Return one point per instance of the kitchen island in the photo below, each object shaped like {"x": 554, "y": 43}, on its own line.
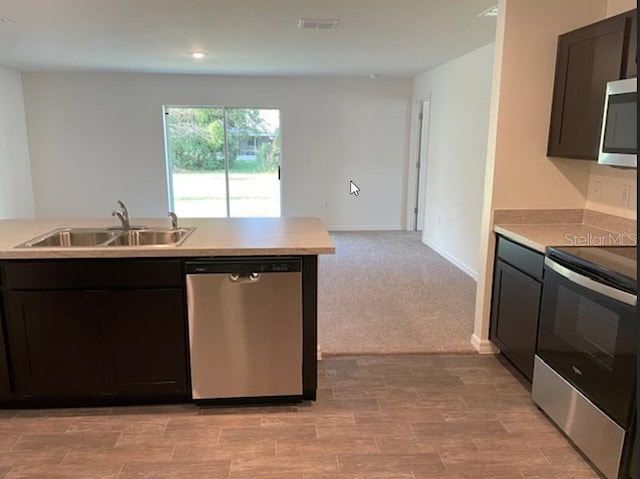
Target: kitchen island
{"x": 108, "y": 324}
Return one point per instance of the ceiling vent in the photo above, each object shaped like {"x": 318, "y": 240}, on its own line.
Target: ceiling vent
{"x": 318, "y": 23}
{"x": 490, "y": 12}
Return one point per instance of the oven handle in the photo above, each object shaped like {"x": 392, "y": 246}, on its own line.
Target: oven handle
{"x": 592, "y": 285}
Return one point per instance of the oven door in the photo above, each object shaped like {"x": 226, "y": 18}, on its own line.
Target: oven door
{"x": 587, "y": 334}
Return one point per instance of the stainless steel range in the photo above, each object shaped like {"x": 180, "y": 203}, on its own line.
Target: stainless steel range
{"x": 585, "y": 366}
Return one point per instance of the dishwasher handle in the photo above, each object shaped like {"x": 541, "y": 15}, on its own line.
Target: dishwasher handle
{"x": 242, "y": 278}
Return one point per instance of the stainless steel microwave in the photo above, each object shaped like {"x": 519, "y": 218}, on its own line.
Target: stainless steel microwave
{"x": 618, "y": 139}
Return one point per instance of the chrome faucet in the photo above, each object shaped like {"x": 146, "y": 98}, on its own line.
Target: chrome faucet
{"x": 125, "y": 210}
{"x": 123, "y": 215}
{"x": 174, "y": 220}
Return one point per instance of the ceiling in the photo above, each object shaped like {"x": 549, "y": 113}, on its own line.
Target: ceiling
{"x": 244, "y": 37}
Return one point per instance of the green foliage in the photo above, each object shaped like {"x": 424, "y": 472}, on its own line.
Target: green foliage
{"x": 197, "y": 140}
{"x": 269, "y": 154}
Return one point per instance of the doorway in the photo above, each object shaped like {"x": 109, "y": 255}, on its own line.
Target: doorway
{"x": 223, "y": 162}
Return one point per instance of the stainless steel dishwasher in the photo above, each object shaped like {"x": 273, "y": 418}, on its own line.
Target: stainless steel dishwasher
{"x": 245, "y": 327}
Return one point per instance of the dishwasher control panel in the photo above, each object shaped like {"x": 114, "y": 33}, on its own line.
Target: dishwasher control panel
{"x": 262, "y": 265}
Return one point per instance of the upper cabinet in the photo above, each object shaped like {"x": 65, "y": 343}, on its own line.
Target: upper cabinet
{"x": 587, "y": 59}
{"x": 632, "y": 51}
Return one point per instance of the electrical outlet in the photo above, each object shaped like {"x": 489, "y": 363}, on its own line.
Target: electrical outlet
{"x": 597, "y": 190}
{"x": 626, "y": 193}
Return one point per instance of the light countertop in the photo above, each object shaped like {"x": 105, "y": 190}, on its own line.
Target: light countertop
{"x": 540, "y": 236}
{"x": 212, "y": 237}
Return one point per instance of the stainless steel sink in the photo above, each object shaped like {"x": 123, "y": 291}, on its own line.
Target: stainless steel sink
{"x": 151, "y": 237}
{"x": 71, "y": 238}
{"x": 104, "y": 237}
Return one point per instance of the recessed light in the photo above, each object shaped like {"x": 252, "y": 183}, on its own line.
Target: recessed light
{"x": 6, "y": 20}
{"x": 318, "y": 23}
{"x": 197, "y": 55}
{"x": 490, "y": 12}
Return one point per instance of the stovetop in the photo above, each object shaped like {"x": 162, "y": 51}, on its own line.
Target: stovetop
{"x": 612, "y": 265}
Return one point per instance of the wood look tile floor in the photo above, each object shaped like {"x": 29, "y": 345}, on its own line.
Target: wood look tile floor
{"x": 391, "y": 417}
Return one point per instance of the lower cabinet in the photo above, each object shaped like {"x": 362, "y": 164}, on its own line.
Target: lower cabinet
{"x": 5, "y": 385}
{"x": 143, "y": 340}
{"x": 78, "y": 344}
{"x": 123, "y": 337}
{"x": 55, "y": 343}
{"x": 515, "y": 308}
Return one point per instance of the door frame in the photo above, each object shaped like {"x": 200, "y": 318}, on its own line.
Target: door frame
{"x": 418, "y": 154}
{"x": 167, "y": 161}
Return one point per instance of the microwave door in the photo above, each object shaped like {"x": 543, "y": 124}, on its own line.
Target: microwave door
{"x": 618, "y": 139}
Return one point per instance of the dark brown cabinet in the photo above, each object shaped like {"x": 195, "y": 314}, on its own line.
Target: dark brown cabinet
{"x": 515, "y": 308}
{"x": 55, "y": 343}
{"x": 586, "y": 60}
{"x": 89, "y": 329}
{"x": 632, "y": 50}
{"x": 144, "y": 342}
{"x": 5, "y": 385}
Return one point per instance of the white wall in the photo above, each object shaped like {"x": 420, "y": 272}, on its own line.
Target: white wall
{"x": 614, "y": 7}
{"x": 605, "y": 190}
{"x": 97, "y": 137}
{"x": 16, "y": 191}
{"x": 518, "y": 173}
{"x": 460, "y": 94}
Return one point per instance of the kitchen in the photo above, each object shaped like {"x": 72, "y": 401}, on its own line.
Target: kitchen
{"x": 521, "y": 178}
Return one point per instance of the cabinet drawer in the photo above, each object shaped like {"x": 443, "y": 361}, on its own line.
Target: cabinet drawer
{"x": 521, "y": 257}
{"x": 93, "y": 274}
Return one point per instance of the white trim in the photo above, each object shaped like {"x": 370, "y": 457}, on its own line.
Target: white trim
{"x": 167, "y": 158}
{"x": 365, "y": 228}
{"x": 483, "y": 346}
{"x": 319, "y": 354}
{"x": 413, "y": 156}
{"x": 452, "y": 260}
{"x": 411, "y": 178}
{"x": 423, "y": 155}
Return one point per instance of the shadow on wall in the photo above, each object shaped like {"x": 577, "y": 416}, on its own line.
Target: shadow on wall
{"x": 576, "y": 172}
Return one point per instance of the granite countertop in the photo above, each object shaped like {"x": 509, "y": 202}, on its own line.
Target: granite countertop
{"x": 212, "y": 237}
{"x": 540, "y": 229}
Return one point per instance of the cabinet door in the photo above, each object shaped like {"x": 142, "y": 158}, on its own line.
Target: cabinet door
{"x": 5, "y": 385}
{"x": 632, "y": 51}
{"x": 587, "y": 59}
{"x": 514, "y": 315}
{"x": 55, "y": 343}
{"x": 144, "y": 340}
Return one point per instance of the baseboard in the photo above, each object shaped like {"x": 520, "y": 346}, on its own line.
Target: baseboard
{"x": 366, "y": 228}
{"x": 452, "y": 260}
{"x": 483, "y": 346}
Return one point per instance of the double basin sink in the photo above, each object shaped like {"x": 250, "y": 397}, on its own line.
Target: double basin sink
{"x": 107, "y": 237}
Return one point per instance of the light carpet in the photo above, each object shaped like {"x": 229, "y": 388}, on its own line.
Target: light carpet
{"x": 388, "y": 293}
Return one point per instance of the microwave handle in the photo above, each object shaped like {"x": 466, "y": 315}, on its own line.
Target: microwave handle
{"x": 592, "y": 285}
